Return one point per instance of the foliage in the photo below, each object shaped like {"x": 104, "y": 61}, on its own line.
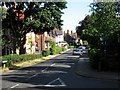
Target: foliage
{"x": 63, "y": 49}
{"x": 95, "y": 55}
{"x": 46, "y": 52}
{"x": 3, "y": 40}
{"x": 58, "y": 50}
{"x": 53, "y": 47}
{"x": 102, "y": 23}
{"x": 70, "y": 46}
{"x": 26, "y": 16}
{"x": 13, "y": 58}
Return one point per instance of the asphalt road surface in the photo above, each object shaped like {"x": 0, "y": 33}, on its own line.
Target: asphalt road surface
{"x": 58, "y": 72}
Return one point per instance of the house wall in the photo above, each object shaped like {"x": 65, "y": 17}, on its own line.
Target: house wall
{"x": 30, "y": 37}
{"x": 40, "y": 40}
{"x": 59, "y": 39}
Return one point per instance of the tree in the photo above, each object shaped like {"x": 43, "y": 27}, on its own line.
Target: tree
{"x": 5, "y": 38}
{"x": 102, "y": 23}
{"x": 38, "y": 16}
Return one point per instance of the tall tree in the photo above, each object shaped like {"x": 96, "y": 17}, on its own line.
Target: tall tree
{"x": 38, "y": 16}
{"x": 102, "y": 23}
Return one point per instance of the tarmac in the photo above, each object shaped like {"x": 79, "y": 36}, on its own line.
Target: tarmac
{"x": 84, "y": 69}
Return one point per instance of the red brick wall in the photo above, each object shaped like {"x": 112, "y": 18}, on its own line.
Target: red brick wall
{"x": 41, "y": 41}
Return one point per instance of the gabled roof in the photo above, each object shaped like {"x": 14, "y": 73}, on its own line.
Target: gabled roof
{"x": 57, "y": 32}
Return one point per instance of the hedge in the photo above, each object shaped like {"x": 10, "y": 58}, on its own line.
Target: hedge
{"x": 46, "y": 52}
{"x": 53, "y": 48}
{"x": 70, "y": 46}
{"x": 13, "y": 58}
{"x": 58, "y": 50}
{"x": 95, "y": 55}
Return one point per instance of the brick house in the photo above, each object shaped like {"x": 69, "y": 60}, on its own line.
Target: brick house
{"x": 41, "y": 40}
{"x": 70, "y": 37}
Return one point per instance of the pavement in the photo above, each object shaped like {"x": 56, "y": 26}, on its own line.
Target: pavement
{"x": 84, "y": 69}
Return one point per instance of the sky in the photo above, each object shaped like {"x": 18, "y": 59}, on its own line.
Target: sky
{"x": 76, "y": 11}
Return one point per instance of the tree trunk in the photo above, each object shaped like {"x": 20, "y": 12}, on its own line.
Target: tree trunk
{"x": 14, "y": 47}
{"x": 22, "y": 48}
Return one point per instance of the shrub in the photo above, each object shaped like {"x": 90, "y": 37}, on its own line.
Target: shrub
{"x": 58, "y": 50}
{"x": 53, "y": 48}
{"x": 63, "y": 49}
{"x": 70, "y": 47}
{"x": 95, "y": 55}
{"x": 13, "y": 58}
{"x": 8, "y": 59}
{"x": 46, "y": 52}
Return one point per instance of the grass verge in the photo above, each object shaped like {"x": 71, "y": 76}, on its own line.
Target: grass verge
{"x": 26, "y": 63}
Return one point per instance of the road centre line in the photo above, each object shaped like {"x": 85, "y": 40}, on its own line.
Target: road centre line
{"x": 47, "y": 67}
{"x": 32, "y": 76}
{"x": 54, "y": 85}
{"x": 38, "y": 73}
{"x": 52, "y": 64}
{"x": 15, "y": 86}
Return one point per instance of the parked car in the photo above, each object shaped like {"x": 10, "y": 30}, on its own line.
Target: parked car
{"x": 77, "y": 51}
{"x": 83, "y": 49}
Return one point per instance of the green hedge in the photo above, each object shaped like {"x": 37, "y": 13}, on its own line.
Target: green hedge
{"x": 95, "y": 55}
{"x": 46, "y": 52}
{"x": 63, "y": 49}
{"x": 58, "y": 50}
{"x": 12, "y": 58}
{"x": 70, "y": 46}
{"x": 53, "y": 48}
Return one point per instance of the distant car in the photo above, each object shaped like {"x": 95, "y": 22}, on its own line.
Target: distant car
{"x": 77, "y": 51}
{"x": 82, "y": 47}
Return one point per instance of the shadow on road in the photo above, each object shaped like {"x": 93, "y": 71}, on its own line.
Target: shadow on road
{"x": 42, "y": 72}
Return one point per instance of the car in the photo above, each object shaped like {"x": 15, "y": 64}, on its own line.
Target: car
{"x": 83, "y": 49}
{"x": 77, "y": 51}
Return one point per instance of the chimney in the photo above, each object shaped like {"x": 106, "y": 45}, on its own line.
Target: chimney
{"x": 64, "y": 32}
{"x": 67, "y": 31}
{"x": 71, "y": 32}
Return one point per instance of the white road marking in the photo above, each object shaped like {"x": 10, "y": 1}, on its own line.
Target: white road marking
{"x": 47, "y": 67}
{"x": 14, "y": 86}
{"x": 44, "y": 69}
{"x": 58, "y": 79}
{"x": 70, "y": 63}
{"x": 84, "y": 58}
{"x": 38, "y": 73}
{"x": 72, "y": 56}
{"x": 51, "y": 85}
{"x": 32, "y": 76}
{"x": 54, "y": 85}
{"x": 52, "y": 64}
{"x": 63, "y": 65}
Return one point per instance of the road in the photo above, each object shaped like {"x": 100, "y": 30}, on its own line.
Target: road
{"x": 58, "y": 72}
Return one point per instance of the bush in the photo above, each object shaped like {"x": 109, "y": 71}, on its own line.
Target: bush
{"x": 46, "y": 52}
{"x": 53, "y": 48}
{"x": 8, "y": 59}
{"x": 95, "y": 55}
{"x": 58, "y": 50}
{"x": 13, "y": 58}
{"x": 70, "y": 47}
{"x": 63, "y": 49}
